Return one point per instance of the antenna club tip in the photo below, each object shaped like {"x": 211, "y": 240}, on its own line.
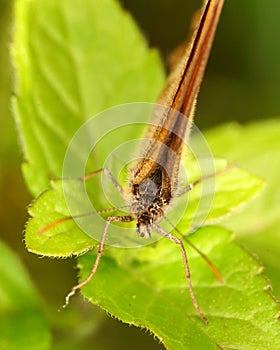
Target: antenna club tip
{"x": 67, "y": 298}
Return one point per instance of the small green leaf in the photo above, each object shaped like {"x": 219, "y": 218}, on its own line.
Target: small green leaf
{"x": 22, "y": 322}
{"x": 232, "y": 188}
{"x": 66, "y": 239}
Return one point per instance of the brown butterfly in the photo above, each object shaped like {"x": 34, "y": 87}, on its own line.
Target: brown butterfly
{"x": 154, "y": 178}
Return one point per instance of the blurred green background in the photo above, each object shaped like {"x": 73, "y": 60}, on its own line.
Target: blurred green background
{"x": 241, "y": 83}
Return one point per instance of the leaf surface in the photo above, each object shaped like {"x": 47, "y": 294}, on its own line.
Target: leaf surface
{"x": 22, "y": 322}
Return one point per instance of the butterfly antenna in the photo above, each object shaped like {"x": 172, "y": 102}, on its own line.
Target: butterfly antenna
{"x": 73, "y": 217}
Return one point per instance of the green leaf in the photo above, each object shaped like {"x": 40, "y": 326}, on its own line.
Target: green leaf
{"x": 22, "y": 322}
{"x": 257, "y": 147}
{"x": 233, "y": 187}
{"x": 62, "y": 241}
{"x": 72, "y": 60}
{"x": 153, "y": 294}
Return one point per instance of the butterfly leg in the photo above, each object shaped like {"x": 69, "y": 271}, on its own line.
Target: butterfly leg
{"x": 99, "y": 254}
{"x": 178, "y": 241}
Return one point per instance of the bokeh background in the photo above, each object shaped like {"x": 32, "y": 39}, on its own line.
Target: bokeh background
{"x": 242, "y": 83}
